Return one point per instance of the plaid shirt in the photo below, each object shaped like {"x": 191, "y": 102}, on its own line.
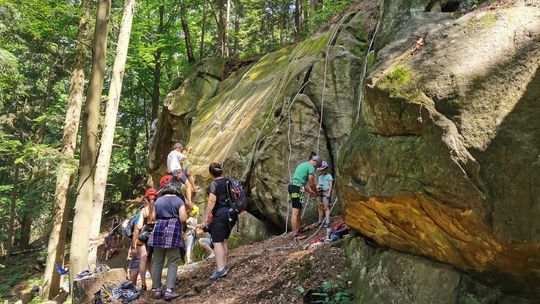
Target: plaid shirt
{"x": 167, "y": 234}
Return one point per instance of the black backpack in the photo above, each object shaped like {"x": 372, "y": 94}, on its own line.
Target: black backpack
{"x": 236, "y": 197}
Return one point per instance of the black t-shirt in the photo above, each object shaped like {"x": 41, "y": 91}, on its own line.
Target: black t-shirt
{"x": 218, "y": 187}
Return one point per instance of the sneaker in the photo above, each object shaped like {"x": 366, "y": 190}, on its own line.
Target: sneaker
{"x": 144, "y": 288}
{"x": 84, "y": 275}
{"x": 219, "y": 274}
{"x": 326, "y": 225}
{"x": 226, "y": 270}
{"x": 211, "y": 256}
{"x": 169, "y": 295}
{"x": 156, "y": 293}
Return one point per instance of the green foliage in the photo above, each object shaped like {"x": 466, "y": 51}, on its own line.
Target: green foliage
{"x": 397, "y": 82}
{"x": 17, "y": 270}
{"x": 334, "y": 291}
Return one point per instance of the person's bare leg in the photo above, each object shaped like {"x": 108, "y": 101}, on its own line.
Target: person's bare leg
{"x": 226, "y": 249}
{"x": 327, "y": 213}
{"x": 191, "y": 180}
{"x": 321, "y": 211}
{"x": 206, "y": 247}
{"x": 294, "y": 220}
{"x": 143, "y": 264}
{"x": 133, "y": 276}
{"x": 220, "y": 256}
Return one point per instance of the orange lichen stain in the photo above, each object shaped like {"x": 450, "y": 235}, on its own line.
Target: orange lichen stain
{"x": 424, "y": 226}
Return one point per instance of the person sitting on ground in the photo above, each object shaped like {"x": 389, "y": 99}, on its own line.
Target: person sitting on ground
{"x": 303, "y": 174}
{"x": 141, "y": 232}
{"x": 324, "y": 185}
{"x": 174, "y": 164}
{"x": 218, "y": 219}
{"x": 166, "y": 239}
{"x": 205, "y": 242}
{"x": 190, "y": 233}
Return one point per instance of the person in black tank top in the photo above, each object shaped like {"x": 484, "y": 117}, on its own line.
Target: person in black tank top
{"x": 218, "y": 219}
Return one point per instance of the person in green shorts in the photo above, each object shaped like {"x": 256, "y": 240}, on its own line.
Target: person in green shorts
{"x": 303, "y": 174}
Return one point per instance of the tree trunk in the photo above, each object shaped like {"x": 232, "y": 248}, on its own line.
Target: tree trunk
{"x": 83, "y": 205}
{"x": 187, "y": 36}
{"x": 236, "y": 34}
{"x": 299, "y": 17}
{"x": 226, "y": 30}
{"x": 65, "y": 172}
{"x": 203, "y": 31}
{"x": 13, "y": 205}
{"x": 107, "y": 136}
{"x": 26, "y": 228}
{"x": 157, "y": 67}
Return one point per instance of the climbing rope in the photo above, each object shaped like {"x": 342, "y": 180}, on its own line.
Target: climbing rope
{"x": 364, "y": 71}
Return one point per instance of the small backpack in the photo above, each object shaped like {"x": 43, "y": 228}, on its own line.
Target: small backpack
{"x": 236, "y": 197}
{"x": 129, "y": 225}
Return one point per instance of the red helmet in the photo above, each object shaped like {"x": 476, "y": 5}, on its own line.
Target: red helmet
{"x": 151, "y": 191}
{"x": 165, "y": 179}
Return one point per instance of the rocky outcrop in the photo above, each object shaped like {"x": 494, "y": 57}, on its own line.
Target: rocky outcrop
{"x": 387, "y": 276}
{"x": 444, "y": 162}
{"x": 265, "y": 118}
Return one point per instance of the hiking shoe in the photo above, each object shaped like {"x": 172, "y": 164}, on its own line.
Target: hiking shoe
{"x": 144, "y": 288}
{"x": 226, "y": 270}
{"x": 211, "y": 256}
{"x": 219, "y": 274}
{"x": 326, "y": 225}
{"x": 169, "y": 295}
{"x": 84, "y": 275}
{"x": 157, "y": 294}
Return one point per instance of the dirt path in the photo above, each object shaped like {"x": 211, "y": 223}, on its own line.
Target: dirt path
{"x": 267, "y": 272}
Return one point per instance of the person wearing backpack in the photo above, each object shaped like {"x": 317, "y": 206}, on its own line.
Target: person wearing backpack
{"x": 166, "y": 239}
{"x": 218, "y": 219}
{"x": 144, "y": 224}
{"x": 304, "y": 174}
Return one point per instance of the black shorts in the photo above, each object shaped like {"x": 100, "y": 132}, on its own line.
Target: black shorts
{"x": 221, "y": 226}
{"x": 295, "y": 194}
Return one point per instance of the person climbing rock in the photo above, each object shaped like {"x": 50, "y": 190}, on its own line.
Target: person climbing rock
{"x": 303, "y": 174}
{"x": 141, "y": 232}
{"x": 218, "y": 219}
{"x": 166, "y": 239}
{"x": 190, "y": 233}
{"x": 174, "y": 164}
{"x": 324, "y": 185}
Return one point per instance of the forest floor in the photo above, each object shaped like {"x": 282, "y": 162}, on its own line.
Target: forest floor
{"x": 277, "y": 270}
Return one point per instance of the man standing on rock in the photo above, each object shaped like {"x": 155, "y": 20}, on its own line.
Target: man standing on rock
{"x": 174, "y": 164}
{"x": 303, "y": 174}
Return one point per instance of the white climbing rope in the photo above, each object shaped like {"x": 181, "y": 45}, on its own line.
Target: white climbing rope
{"x": 324, "y": 79}
{"x": 364, "y": 71}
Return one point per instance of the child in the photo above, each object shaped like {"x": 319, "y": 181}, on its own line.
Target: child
{"x": 190, "y": 234}
{"x": 324, "y": 185}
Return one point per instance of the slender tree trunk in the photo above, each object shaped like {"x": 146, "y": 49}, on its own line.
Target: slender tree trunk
{"x": 187, "y": 36}
{"x": 157, "y": 67}
{"x": 83, "y": 205}
{"x": 203, "y": 31}
{"x": 107, "y": 137}
{"x": 299, "y": 17}
{"x": 26, "y": 228}
{"x": 226, "y": 30}
{"x": 65, "y": 172}
{"x": 236, "y": 34}
{"x": 12, "y": 208}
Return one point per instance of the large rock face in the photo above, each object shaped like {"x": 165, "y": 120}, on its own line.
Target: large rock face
{"x": 265, "y": 118}
{"x": 445, "y": 162}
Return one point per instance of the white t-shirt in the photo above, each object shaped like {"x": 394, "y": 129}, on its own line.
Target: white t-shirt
{"x": 174, "y": 161}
